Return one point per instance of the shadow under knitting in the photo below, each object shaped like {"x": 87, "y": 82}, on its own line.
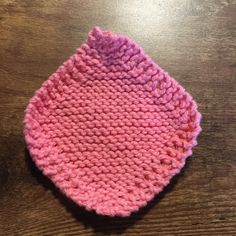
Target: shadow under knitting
{"x": 100, "y": 224}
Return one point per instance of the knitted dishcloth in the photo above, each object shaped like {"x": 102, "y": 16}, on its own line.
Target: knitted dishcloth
{"x": 110, "y": 128}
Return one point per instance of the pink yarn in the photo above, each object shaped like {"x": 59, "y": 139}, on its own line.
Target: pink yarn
{"x": 110, "y": 128}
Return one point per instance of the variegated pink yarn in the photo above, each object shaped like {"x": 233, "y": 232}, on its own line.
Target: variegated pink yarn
{"x": 110, "y": 128}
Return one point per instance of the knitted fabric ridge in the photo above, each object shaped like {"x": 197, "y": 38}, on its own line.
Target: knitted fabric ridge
{"x": 110, "y": 128}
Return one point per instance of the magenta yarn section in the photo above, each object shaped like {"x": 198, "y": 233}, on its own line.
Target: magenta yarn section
{"x": 110, "y": 128}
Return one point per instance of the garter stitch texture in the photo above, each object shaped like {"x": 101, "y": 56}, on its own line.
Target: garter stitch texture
{"x": 110, "y": 128}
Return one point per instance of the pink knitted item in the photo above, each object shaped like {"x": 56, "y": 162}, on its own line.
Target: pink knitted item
{"x": 110, "y": 128}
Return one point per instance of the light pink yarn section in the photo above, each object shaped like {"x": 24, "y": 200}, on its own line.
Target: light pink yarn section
{"x": 110, "y": 128}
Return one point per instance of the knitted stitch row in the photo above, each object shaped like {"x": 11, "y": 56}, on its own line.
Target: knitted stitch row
{"x": 110, "y": 128}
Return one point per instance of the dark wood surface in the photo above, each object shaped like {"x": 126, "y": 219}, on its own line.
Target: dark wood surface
{"x": 193, "y": 40}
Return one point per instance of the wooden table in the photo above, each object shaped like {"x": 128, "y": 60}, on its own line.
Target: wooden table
{"x": 193, "y": 40}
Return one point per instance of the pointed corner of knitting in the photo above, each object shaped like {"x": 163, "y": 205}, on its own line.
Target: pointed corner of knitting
{"x": 97, "y": 35}
{"x": 96, "y": 31}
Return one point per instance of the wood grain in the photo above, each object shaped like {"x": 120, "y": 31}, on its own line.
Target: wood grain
{"x": 193, "y": 40}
